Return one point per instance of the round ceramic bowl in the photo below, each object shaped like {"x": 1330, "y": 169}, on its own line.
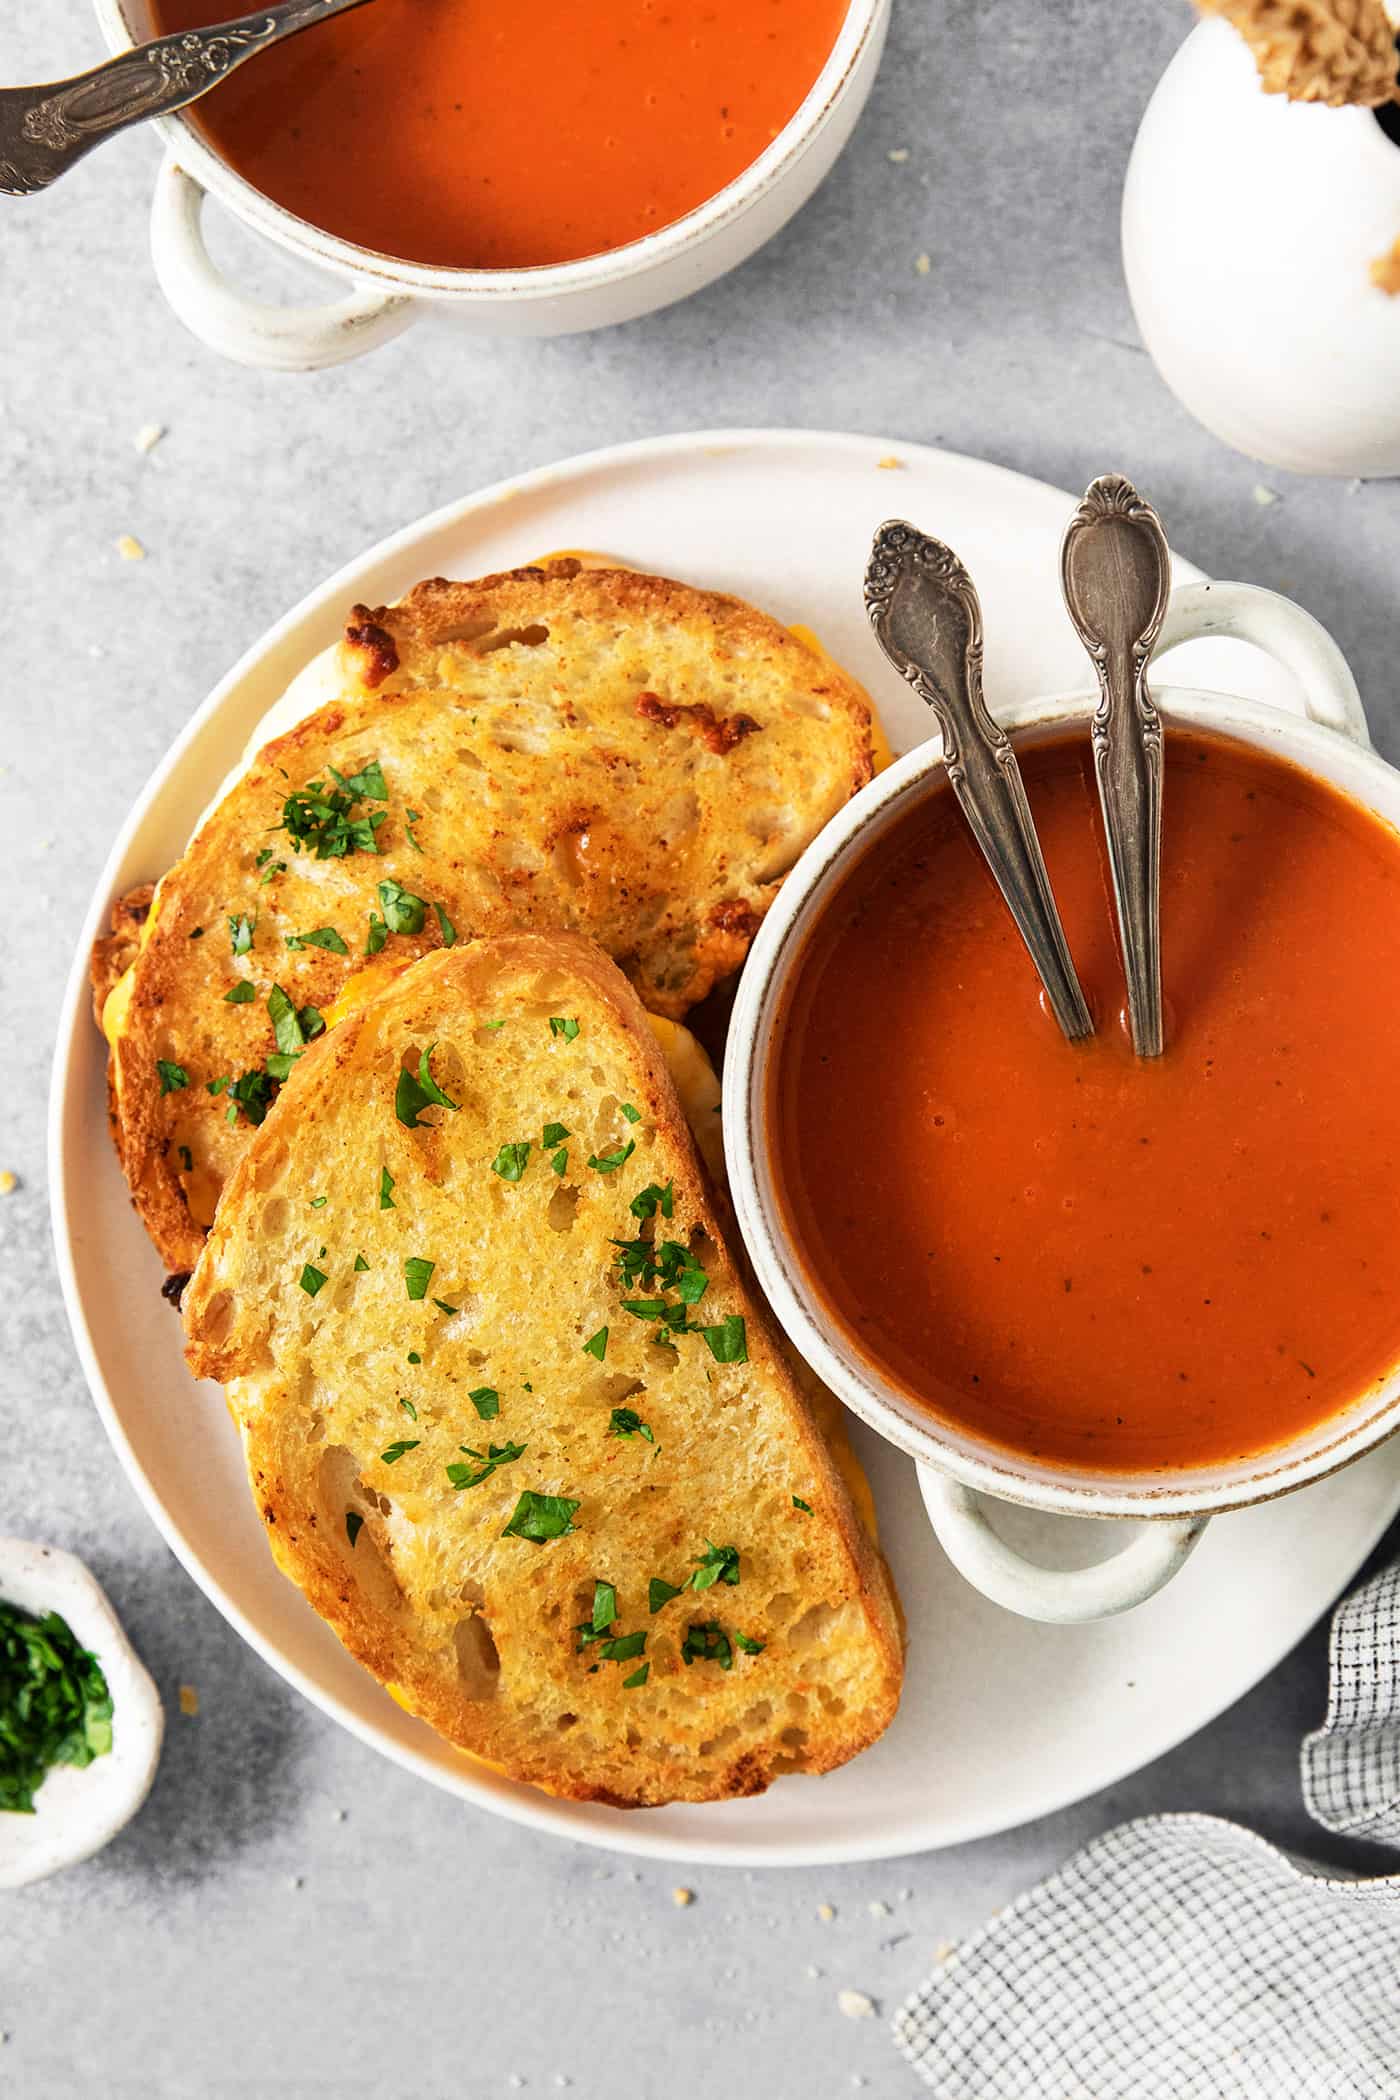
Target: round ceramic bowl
{"x": 958, "y": 1468}
{"x": 382, "y": 295}
{"x": 78, "y": 1810}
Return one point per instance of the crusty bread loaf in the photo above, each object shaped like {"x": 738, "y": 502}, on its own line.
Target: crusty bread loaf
{"x": 772, "y": 1644}
{"x": 595, "y": 750}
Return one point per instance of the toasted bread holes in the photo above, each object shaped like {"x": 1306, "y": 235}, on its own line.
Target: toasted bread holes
{"x": 527, "y": 637}
{"x": 478, "y": 1660}
{"x": 562, "y": 1207}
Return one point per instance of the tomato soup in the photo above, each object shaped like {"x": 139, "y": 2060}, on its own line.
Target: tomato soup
{"x": 1101, "y": 1261}
{"x": 492, "y": 135}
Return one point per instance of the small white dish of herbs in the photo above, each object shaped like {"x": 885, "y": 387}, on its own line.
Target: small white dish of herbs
{"x": 80, "y": 1719}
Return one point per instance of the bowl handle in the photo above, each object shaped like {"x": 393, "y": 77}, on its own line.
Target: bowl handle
{"x": 278, "y": 338}
{"x": 1293, "y": 638}
{"x": 1058, "y": 1596}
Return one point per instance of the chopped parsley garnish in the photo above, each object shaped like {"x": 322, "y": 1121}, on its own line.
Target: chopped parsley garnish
{"x": 240, "y": 932}
{"x": 567, "y": 1027}
{"x": 354, "y": 1525}
{"x": 602, "y": 1617}
{"x": 487, "y": 1402}
{"x": 798, "y": 1503}
{"x": 624, "y": 1649}
{"x": 311, "y": 1280}
{"x": 280, "y": 1062}
{"x": 443, "y": 1307}
{"x": 716, "y": 1564}
{"x": 707, "y": 1643}
{"x": 187, "y": 1159}
{"x": 412, "y": 1095}
{"x": 728, "y": 1340}
{"x": 252, "y": 1093}
{"x": 319, "y": 937}
{"x": 386, "y": 1190}
{"x": 378, "y": 934}
{"x": 319, "y": 1202}
{"x": 409, "y": 1409}
{"x": 541, "y": 1517}
{"x": 749, "y": 1645}
{"x": 287, "y": 1030}
{"x": 486, "y": 1463}
{"x": 553, "y": 1134}
{"x": 416, "y": 1272}
{"x": 270, "y": 874}
{"x": 361, "y": 1265}
{"x": 216, "y": 1086}
{"x": 511, "y": 1160}
{"x": 396, "y": 1451}
{"x": 638, "y": 1677}
{"x": 651, "y": 1200}
{"x": 55, "y": 1708}
{"x": 597, "y": 1344}
{"x": 626, "y": 1421}
{"x": 633, "y": 1115}
{"x": 445, "y": 927}
{"x": 403, "y": 912}
{"x": 491, "y": 1026}
{"x": 240, "y": 994}
{"x": 172, "y": 1077}
{"x": 659, "y": 1593}
{"x": 609, "y": 1162}
{"x": 414, "y": 1357}
{"x": 323, "y": 819}
{"x": 412, "y": 817}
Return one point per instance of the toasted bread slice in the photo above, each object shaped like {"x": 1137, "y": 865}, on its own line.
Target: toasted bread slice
{"x": 593, "y": 750}
{"x": 469, "y": 1482}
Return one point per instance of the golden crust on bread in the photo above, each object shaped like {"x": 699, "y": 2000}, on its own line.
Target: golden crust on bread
{"x": 478, "y": 1631}
{"x": 600, "y": 751}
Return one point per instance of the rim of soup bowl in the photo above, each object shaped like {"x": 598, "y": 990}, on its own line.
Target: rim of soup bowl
{"x": 870, "y": 1392}
{"x": 860, "y": 24}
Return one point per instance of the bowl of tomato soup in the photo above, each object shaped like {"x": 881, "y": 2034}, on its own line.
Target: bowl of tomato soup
{"x": 529, "y": 170}
{"x": 1056, "y": 1273}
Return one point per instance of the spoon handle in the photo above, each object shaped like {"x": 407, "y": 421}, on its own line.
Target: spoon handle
{"x": 934, "y": 640}
{"x": 45, "y": 129}
{"x": 1116, "y": 575}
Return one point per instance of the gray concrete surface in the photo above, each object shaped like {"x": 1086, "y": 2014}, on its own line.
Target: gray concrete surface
{"x": 291, "y": 1915}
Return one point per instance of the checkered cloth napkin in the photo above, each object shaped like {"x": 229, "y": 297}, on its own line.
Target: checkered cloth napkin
{"x": 1182, "y": 1958}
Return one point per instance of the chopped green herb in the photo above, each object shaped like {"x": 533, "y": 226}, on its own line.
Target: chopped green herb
{"x": 216, "y": 1086}
{"x": 319, "y": 937}
{"x": 510, "y": 1161}
{"x": 559, "y": 1025}
{"x": 409, "y": 1409}
{"x": 240, "y": 932}
{"x": 378, "y": 934}
{"x": 319, "y": 1202}
{"x": 659, "y": 1593}
{"x": 252, "y": 1093}
{"x": 172, "y": 1077}
{"x": 280, "y": 1062}
{"x": 716, "y": 1564}
{"x": 627, "y": 1422}
{"x": 414, "y": 1357}
{"x": 624, "y": 1649}
{"x": 313, "y": 1022}
{"x": 487, "y": 1402}
{"x": 354, "y": 1525}
{"x": 798, "y": 1503}
{"x": 278, "y": 867}
{"x": 361, "y": 1265}
{"x": 443, "y": 1306}
{"x": 728, "y": 1340}
{"x": 396, "y": 1451}
{"x": 416, "y": 1272}
{"x": 412, "y": 817}
{"x": 187, "y": 1159}
{"x": 749, "y": 1645}
{"x": 367, "y": 785}
{"x": 286, "y": 1023}
{"x": 403, "y": 912}
{"x": 638, "y": 1677}
{"x": 55, "y": 1708}
{"x": 597, "y": 1344}
{"x": 645, "y": 1308}
{"x": 386, "y": 1190}
{"x": 486, "y": 1463}
{"x": 445, "y": 927}
{"x": 324, "y": 818}
{"x": 541, "y": 1517}
{"x": 604, "y": 1606}
{"x": 553, "y": 1134}
{"x": 560, "y": 1160}
{"x": 609, "y": 1162}
{"x": 651, "y": 1200}
{"x": 414, "y": 1095}
{"x": 311, "y": 1280}
{"x": 707, "y": 1643}
{"x": 633, "y": 1115}
{"x": 240, "y": 994}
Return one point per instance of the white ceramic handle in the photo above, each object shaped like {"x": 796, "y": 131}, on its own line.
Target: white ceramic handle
{"x": 278, "y": 338}
{"x": 1059, "y": 1596}
{"x": 1292, "y": 637}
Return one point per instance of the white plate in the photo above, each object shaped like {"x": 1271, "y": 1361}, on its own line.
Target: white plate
{"x": 1002, "y": 1720}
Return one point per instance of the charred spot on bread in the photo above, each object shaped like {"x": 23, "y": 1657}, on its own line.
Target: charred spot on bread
{"x": 173, "y": 1288}
{"x": 374, "y": 648}
{"x": 719, "y": 733}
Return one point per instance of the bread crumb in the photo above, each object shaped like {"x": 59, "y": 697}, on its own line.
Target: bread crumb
{"x": 148, "y": 437}
{"x": 681, "y": 1897}
{"x": 856, "y": 2005}
{"x": 189, "y": 1700}
{"x": 1265, "y": 496}
{"x": 8, "y": 1183}
{"x": 943, "y": 1951}
{"x": 923, "y": 264}
{"x": 890, "y": 462}
{"x": 825, "y": 1912}
{"x": 898, "y": 154}
{"x": 130, "y": 549}
{"x": 877, "y": 1909}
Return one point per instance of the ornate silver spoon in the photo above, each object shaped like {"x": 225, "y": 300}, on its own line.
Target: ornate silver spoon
{"x": 44, "y": 130}
{"x": 1116, "y": 575}
{"x": 927, "y": 619}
